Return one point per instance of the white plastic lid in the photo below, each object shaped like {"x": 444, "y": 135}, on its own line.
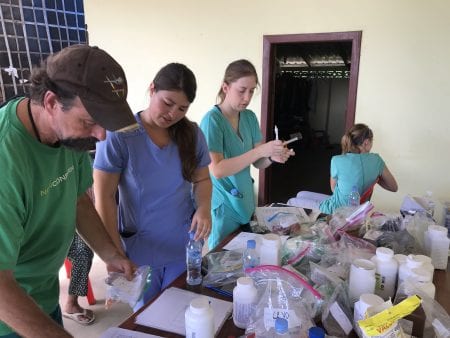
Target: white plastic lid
{"x": 199, "y": 305}
{"x": 363, "y": 264}
{"x": 245, "y": 282}
{"x": 271, "y": 239}
{"x": 369, "y": 299}
{"x": 400, "y": 258}
{"x": 437, "y": 230}
{"x": 384, "y": 254}
{"x": 413, "y": 262}
{"x": 424, "y": 259}
{"x": 420, "y": 275}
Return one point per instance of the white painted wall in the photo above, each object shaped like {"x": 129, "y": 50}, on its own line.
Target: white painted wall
{"x": 403, "y": 89}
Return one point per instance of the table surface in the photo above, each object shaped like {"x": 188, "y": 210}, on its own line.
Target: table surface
{"x": 441, "y": 280}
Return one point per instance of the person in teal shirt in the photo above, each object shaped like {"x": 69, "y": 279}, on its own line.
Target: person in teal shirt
{"x": 355, "y": 167}
{"x": 235, "y": 141}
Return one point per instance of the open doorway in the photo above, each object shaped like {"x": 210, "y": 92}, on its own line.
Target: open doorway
{"x": 309, "y": 90}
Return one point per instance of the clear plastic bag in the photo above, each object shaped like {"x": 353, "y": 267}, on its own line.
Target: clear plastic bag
{"x": 337, "y": 315}
{"x": 437, "y": 321}
{"x": 224, "y": 267}
{"x": 119, "y": 289}
{"x": 282, "y": 294}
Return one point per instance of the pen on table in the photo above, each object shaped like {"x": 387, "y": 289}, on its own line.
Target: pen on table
{"x": 276, "y": 132}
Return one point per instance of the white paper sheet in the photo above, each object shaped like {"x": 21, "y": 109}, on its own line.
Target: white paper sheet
{"x": 116, "y": 332}
{"x": 167, "y": 311}
{"x": 239, "y": 242}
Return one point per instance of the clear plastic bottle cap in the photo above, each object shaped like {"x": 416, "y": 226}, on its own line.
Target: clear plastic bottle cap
{"x": 191, "y": 235}
{"x": 384, "y": 254}
{"x": 251, "y": 244}
{"x": 281, "y": 325}
{"x": 316, "y": 332}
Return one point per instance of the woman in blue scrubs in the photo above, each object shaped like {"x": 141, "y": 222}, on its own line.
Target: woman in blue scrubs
{"x": 235, "y": 142}
{"x": 161, "y": 172}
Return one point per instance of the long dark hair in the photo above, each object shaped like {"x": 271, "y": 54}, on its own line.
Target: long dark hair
{"x": 178, "y": 77}
{"x": 355, "y": 137}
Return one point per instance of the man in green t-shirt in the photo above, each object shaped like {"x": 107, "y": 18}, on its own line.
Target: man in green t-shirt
{"x": 74, "y": 96}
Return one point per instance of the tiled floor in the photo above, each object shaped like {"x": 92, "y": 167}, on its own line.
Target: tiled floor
{"x": 104, "y": 318}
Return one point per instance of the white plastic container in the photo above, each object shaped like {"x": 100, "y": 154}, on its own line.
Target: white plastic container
{"x": 400, "y": 258}
{"x": 439, "y": 243}
{"x": 385, "y": 273}
{"x": 199, "y": 319}
{"x": 421, "y": 279}
{"x": 244, "y": 301}
{"x": 361, "y": 279}
{"x": 411, "y": 262}
{"x": 270, "y": 250}
{"x": 365, "y": 301}
{"x": 426, "y": 264}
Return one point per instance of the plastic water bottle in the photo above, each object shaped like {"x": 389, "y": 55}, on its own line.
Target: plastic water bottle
{"x": 250, "y": 257}
{"x": 194, "y": 260}
{"x": 353, "y": 197}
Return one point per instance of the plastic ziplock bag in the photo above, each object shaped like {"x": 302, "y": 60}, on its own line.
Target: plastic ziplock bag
{"x": 224, "y": 267}
{"x": 296, "y": 288}
{"x": 437, "y": 319}
{"x": 281, "y": 295}
{"x": 337, "y": 315}
{"x": 119, "y": 289}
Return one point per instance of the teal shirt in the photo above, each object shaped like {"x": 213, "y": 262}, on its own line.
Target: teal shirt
{"x": 39, "y": 189}
{"x": 360, "y": 170}
{"x": 222, "y": 138}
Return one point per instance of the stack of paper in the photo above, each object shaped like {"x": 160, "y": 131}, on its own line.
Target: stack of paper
{"x": 167, "y": 311}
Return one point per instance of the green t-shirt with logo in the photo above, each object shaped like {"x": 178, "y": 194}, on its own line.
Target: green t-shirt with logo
{"x": 39, "y": 188}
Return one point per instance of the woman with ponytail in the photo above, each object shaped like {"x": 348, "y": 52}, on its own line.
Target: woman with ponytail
{"x": 161, "y": 173}
{"x": 355, "y": 167}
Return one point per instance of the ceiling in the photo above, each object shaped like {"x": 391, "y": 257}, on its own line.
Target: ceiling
{"x": 315, "y": 54}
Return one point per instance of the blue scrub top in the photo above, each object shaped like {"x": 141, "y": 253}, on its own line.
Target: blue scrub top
{"x": 360, "y": 170}
{"x": 155, "y": 201}
{"x": 222, "y": 138}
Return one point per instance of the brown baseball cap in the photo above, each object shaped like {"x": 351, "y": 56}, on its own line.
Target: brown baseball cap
{"x": 99, "y": 81}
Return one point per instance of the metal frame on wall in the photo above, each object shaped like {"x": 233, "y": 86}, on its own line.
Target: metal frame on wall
{"x": 30, "y": 30}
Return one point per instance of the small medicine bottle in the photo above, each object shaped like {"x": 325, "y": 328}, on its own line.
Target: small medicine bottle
{"x": 244, "y": 301}
{"x": 385, "y": 273}
{"x": 199, "y": 319}
{"x": 270, "y": 250}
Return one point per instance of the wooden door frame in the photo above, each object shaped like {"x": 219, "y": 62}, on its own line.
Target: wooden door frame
{"x": 268, "y": 81}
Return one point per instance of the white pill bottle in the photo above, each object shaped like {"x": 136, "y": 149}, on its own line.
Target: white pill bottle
{"x": 244, "y": 301}
{"x": 199, "y": 319}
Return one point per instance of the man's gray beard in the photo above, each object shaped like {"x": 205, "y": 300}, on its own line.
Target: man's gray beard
{"x": 79, "y": 144}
